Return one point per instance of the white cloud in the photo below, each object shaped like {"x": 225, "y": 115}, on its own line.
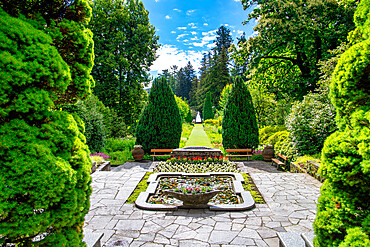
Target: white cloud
{"x": 177, "y": 10}
{"x": 192, "y": 25}
{"x": 173, "y": 31}
{"x": 240, "y": 32}
{"x": 168, "y": 17}
{"x": 181, "y": 35}
{"x": 195, "y": 38}
{"x": 181, "y": 28}
{"x": 208, "y": 37}
{"x": 169, "y": 55}
{"x": 193, "y": 33}
{"x": 205, "y": 24}
{"x": 156, "y": 1}
{"x": 185, "y": 40}
{"x": 211, "y": 45}
{"x": 189, "y": 12}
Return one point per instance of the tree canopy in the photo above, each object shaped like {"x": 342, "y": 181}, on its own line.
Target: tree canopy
{"x": 125, "y": 48}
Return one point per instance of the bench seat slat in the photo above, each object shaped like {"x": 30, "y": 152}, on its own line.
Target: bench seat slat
{"x": 241, "y": 155}
{"x": 238, "y": 150}
{"x": 155, "y": 155}
{"x": 161, "y": 150}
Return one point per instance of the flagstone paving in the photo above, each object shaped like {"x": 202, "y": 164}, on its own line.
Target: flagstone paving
{"x": 290, "y": 206}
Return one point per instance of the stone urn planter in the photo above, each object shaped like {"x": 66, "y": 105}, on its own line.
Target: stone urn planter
{"x": 193, "y": 200}
{"x": 138, "y": 152}
{"x": 268, "y": 153}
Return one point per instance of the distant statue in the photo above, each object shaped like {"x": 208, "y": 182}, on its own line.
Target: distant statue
{"x": 198, "y": 119}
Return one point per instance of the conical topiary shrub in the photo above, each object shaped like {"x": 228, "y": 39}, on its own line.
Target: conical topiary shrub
{"x": 343, "y": 215}
{"x": 239, "y": 124}
{"x": 207, "y": 107}
{"x": 160, "y": 122}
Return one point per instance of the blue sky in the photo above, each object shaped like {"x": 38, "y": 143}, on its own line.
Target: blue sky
{"x": 187, "y": 28}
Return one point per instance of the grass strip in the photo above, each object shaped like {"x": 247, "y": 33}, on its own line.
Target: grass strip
{"x": 250, "y": 186}
{"x": 198, "y": 137}
{"x": 142, "y": 186}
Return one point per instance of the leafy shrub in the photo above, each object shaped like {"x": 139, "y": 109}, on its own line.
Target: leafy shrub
{"x": 160, "y": 123}
{"x": 343, "y": 217}
{"x": 310, "y": 122}
{"x": 213, "y": 122}
{"x": 282, "y": 143}
{"x": 119, "y": 150}
{"x": 266, "y": 132}
{"x": 239, "y": 124}
{"x": 186, "y": 131}
{"x": 45, "y": 170}
{"x": 207, "y": 107}
{"x": 183, "y": 108}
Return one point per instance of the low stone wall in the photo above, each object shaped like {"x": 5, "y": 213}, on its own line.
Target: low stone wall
{"x": 311, "y": 168}
{"x": 203, "y": 152}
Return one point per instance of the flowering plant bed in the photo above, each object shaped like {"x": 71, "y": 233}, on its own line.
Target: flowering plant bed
{"x": 195, "y": 185}
{"x": 160, "y": 192}
{"x": 196, "y": 165}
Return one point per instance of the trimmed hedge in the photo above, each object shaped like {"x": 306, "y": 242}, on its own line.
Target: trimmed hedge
{"x": 343, "y": 217}
{"x": 160, "y": 122}
{"x": 239, "y": 124}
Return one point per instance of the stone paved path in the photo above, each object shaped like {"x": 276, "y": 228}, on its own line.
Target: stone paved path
{"x": 290, "y": 206}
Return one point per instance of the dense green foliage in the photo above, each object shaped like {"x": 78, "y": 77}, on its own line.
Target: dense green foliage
{"x": 119, "y": 150}
{"x": 160, "y": 122}
{"x": 125, "y": 48}
{"x": 266, "y": 132}
{"x": 45, "y": 170}
{"x": 310, "y": 122}
{"x": 292, "y": 37}
{"x": 183, "y": 108}
{"x": 223, "y": 99}
{"x": 343, "y": 217}
{"x": 207, "y": 107}
{"x": 239, "y": 124}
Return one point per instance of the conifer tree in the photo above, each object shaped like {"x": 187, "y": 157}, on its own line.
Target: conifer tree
{"x": 239, "y": 124}
{"x": 160, "y": 122}
{"x": 207, "y": 108}
{"x": 343, "y": 217}
{"x": 45, "y": 170}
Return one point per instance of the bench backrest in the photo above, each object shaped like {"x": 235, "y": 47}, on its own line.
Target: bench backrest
{"x": 282, "y": 156}
{"x": 238, "y": 150}
{"x": 161, "y": 150}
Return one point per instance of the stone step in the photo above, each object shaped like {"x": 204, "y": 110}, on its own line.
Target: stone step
{"x": 92, "y": 239}
{"x": 294, "y": 239}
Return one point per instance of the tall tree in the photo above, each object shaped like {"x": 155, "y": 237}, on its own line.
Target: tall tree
{"x": 125, "y": 48}
{"x": 223, "y": 39}
{"x": 239, "y": 124}
{"x": 207, "y": 107}
{"x": 160, "y": 123}
{"x": 185, "y": 78}
{"x": 292, "y": 36}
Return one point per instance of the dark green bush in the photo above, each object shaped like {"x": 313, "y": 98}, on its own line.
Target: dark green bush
{"x": 282, "y": 143}
{"x": 45, "y": 164}
{"x": 118, "y": 144}
{"x": 239, "y": 124}
{"x": 160, "y": 122}
{"x": 343, "y": 217}
{"x": 207, "y": 107}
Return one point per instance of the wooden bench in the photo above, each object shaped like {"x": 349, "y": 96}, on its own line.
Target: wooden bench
{"x": 162, "y": 152}
{"x": 278, "y": 161}
{"x": 242, "y": 150}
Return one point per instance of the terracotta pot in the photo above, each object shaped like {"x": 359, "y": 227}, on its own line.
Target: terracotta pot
{"x": 138, "y": 153}
{"x": 268, "y": 153}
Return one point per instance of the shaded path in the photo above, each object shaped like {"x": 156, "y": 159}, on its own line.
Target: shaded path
{"x": 198, "y": 137}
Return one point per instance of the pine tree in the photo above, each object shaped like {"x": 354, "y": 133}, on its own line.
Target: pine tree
{"x": 207, "y": 108}
{"x": 160, "y": 122}
{"x": 239, "y": 124}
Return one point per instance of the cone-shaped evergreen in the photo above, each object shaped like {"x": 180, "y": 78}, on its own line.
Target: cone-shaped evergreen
{"x": 207, "y": 108}
{"x": 160, "y": 123}
{"x": 239, "y": 124}
{"x": 343, "y": 213}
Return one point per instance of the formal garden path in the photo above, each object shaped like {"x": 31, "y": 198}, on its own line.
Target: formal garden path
{"x": 290, "y": 206}
{"x": 198, "y": 137}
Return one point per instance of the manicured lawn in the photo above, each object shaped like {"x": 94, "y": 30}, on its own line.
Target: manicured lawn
{"x": 198, "y": 137}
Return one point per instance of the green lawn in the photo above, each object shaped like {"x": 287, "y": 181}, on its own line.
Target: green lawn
{"x": 198, "y": 137}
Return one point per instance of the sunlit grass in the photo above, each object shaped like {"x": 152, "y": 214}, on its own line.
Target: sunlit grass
{"x": 198, "y": 137}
